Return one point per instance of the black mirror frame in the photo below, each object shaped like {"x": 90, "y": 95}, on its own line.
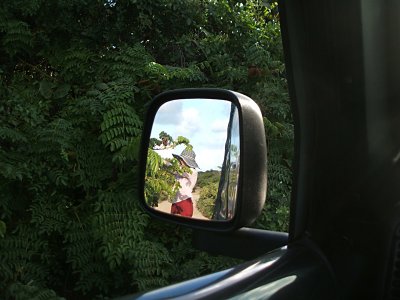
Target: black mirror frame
{"x": 252, "y": 185}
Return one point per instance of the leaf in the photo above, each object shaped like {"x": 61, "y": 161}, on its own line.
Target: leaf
{"x": 93, "y": 93}
{"x": 46, "y": 89}
{"x": 101, "y": 86}
{"x": 62, "y": 91}
{"x": 135, "y": 89}
{"x": 3, "y": 229}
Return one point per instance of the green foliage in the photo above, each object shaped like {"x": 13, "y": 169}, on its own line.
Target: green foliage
{"x": 279, "y": 130}
{"x": 160, "y": 181}
{"x": 3, "y": 229}
{"x": 75, "y": 80}
{"x": 26, "y": 291}
{"x": 208, "y": 183}
{"x": 120, "y": 126}
{"x": 160, "y": 187}
{"x": 208, "y": 177}
{"x": 206, "y": 202}
{"x": 25, "y": 258}
{"x": 187, "y": 263}
{"x": 17, "y": 37}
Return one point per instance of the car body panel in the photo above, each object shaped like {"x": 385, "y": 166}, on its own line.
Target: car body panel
{"x": 295, "y": 272}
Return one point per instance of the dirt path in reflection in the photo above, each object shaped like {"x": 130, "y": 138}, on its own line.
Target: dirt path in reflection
{"x": 165, "y": 206}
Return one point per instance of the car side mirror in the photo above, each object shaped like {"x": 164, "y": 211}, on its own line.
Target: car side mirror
{"x": 203, "y": 159}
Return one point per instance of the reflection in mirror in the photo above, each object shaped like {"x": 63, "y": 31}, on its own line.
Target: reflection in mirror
{"x": 193, "y": 159}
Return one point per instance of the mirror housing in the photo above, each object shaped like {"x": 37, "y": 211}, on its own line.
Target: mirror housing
{"x": 252, "y": 181}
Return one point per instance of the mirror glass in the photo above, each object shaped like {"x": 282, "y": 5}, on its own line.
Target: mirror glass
{"x": 193, "y": 159}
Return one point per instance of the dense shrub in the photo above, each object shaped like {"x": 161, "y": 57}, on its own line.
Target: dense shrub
{"x": 206, "y": 202}
{"x": 207, "y": 177}
{"x": 75, "y": 79}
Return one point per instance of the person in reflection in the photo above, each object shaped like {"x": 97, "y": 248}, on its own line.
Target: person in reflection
{"x": 182, "y": 204}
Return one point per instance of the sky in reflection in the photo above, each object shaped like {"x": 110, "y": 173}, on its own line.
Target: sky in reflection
{"x": 203, "y": 121}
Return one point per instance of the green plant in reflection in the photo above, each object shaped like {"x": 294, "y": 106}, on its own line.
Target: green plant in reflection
{"x": 160, "y": 182}
{"x": 206, "y": 203}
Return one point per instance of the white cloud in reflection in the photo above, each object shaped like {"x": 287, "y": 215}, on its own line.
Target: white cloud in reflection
{"x": 203, "y": 121}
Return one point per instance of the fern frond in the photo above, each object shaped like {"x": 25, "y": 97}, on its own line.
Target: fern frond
{"x": 120, "y": 224}
{"x": 190, "y": 74}
{"x": 55, "y": 138}
{"x": 78, "y": 62}
{"x": 49, "y": 214}
{"x": 94, "y": 165}
{"x": 23, "y": 255}
{"x": 13, "y": 135}
{"x": 151, "y": 261}
{"x": 120, "y": 126}
{"x": 128, "y": 62}
{"x": 13, "y": 165}
{"x": 17, "y": 37}
{"x": 21, "y": 291}
{"x": 82, "y": 255}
